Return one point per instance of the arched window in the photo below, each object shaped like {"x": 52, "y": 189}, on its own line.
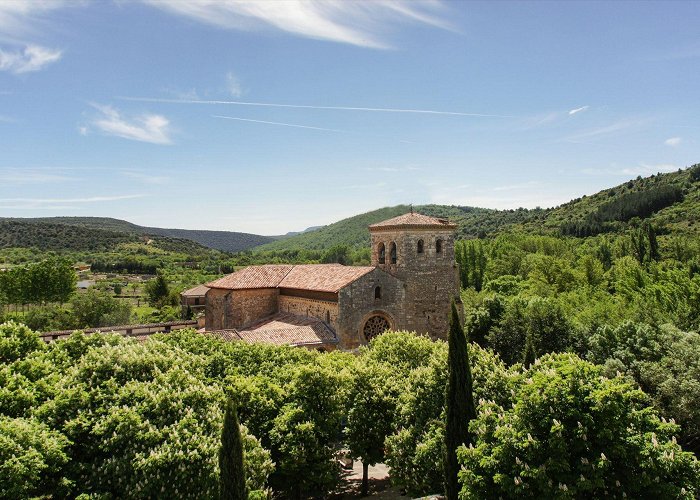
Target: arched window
{"x": 420, "y": 246}
{"x": 378, "y": 292}
{"x": 392, "y": 252}
{"x": 382, "y": 253}
{"x": 438, "y": 246}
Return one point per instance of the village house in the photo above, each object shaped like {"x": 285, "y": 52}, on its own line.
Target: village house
{"x": 410, "y": 284}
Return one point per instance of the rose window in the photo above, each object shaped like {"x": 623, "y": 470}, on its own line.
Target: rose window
{"x": 376, "y": 325}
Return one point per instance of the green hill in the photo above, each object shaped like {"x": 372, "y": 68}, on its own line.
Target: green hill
{"x": 671, "y": 201}
{"x": 111, "y": 231}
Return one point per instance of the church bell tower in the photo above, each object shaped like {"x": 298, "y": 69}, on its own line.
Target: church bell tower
{"x": 419, "y": 250}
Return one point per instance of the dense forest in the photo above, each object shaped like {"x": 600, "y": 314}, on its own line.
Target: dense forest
{"x": 108, "y": 417}
{"x": 584, "y": 330}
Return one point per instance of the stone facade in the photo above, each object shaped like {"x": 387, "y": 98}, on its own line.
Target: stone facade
{"x": 424, "y": 260}
{"x": 228, "y": 309}
{"x": 412, "y": 281}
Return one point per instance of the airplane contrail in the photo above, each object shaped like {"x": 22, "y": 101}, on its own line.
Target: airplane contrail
{"x": 280, "y": 123}
{"x": 306, "y": 106}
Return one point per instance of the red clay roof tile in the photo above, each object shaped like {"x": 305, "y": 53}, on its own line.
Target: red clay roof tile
{"x": 413, "y": 220}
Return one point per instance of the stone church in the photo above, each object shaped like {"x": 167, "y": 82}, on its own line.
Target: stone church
{"x": 409, "y": 286}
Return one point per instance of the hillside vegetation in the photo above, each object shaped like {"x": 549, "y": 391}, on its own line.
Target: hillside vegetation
{"x": 98, "y": 233}
{"x": 670, "y": 201}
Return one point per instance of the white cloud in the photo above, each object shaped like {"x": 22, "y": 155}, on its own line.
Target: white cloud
{"x": 357, "y": 23}
{"x": 29, "y": 176}
{"x": 514, "y": 187}
{"x": 59, "y": 203}
{"x": 145, "y": 128}
{"x": 608, "y": 130}
{"x": 578, "y": 110}
{"x": 308, "y": 106}
{"x": 642, "y": 169}
{"x": 32, "y": 58}
{"x": 22, "y": 21}
{"x": 19, "y": 18}
{"x": 146, "y": 178}
{"x": 233, "y": 85}
{"x": 673, "y": 141}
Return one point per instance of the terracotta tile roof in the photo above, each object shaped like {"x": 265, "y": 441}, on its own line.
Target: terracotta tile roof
{"x": 198, "y": 291}
{"x": 266, "y": 276}
{"x": 283, "y": 329}
{"x": 316, "y": 277}
{"x": 322, "y": 277}
{"x": 413, "y": 220}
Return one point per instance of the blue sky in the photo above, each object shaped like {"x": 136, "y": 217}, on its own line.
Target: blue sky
{"x": 273, "y": 116}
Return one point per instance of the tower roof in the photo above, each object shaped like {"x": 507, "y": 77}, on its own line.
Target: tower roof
{"x": 413, "y": 221}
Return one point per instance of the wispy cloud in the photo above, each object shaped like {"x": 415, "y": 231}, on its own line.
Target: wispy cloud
{"x": 21, "y": 22}
{"x": 147, "y": 178}
{"x": 29, "y": 176}
{"x": 308, "y": 106}
{"x": 578, "y": 110}
{"x": 32, "y": 58}
{"x": 51, "y": 203}
{"x": 363, "y": 24}
{"x": 366, "y": 186}
{"x": 673, "y": 141}
{"x": 233, "y": 85}
{"x": 407, "y": 168}
{"x": 608, "y": 130}
{"x": 643, "y": 169}
{"x": 513, "y": 187}
{"x": 279, "y": 123}
{"x": 151, "y": 128}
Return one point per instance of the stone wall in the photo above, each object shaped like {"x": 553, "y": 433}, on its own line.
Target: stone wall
{"x": 226, "y": 309}
{"x": 431, "y": 278}
{"x": 322, "y": 309}
{"x": 357, "y": 303}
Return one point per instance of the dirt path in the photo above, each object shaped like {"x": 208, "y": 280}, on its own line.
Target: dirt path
{"x": 379, "y": 484}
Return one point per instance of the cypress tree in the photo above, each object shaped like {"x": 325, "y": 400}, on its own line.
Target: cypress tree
{"x": 460, "y": 402}
{"x": 529, "y": 352}
{"x": 231, "y": 468}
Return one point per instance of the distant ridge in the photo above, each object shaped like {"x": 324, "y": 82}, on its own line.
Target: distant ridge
{"x": 49, "y": 232}
{"x": 671, "y": 201}
{"x": 610, "y": 210}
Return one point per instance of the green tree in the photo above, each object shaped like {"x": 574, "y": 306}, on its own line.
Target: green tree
{"x": 460, "y": 402}
{"x": 96, "y": 308}
{"x": 372, "y": 404}
{"x": 157, "y": 291}
{"x": 570, "y": 432}
{"x": 17, "y": 341}
{"x": 32, "y": 457}
{"x": 232, "y": 481}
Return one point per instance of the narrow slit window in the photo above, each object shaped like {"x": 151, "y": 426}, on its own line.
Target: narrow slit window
{"x": 393, "y": 252}
{"x": 419, "y": 249}
{"x": 382, "y": 253}
{"x": 438, "y": 246}
{"x": 378, "y": 292}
